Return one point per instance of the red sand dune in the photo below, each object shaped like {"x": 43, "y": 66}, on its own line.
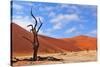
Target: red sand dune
{"x": 83, "y": 42}
{"x": 22, "y": 43}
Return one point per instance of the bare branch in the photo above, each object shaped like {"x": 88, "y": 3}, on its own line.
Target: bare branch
{"x": 34, "y": 18}
{"x": 39, "y": 26}
{"x": 30, "y": 26}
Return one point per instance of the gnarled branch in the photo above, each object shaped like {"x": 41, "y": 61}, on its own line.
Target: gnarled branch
{"x": 39, "y": 26}
{"x": 34, "y": 19}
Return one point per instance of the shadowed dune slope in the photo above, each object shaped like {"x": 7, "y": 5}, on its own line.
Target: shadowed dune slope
{"x": 22, "y": 43}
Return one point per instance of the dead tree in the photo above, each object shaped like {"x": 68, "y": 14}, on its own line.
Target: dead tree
{"x": 35, "y": 31}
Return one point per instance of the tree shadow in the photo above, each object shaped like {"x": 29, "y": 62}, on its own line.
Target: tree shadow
{"x": 39, "y": 58}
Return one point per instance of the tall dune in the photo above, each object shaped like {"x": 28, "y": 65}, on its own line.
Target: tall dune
{"x": 22, "y": 43}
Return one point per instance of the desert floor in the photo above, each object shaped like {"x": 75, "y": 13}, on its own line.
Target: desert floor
{"x": 68, "y": 57}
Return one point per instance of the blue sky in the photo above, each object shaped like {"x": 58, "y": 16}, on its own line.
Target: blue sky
{"x": 59, "y": 20}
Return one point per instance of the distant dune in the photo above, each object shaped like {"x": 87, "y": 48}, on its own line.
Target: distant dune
{"x": 83, "y": 42}
{"x": 22, "y": 43}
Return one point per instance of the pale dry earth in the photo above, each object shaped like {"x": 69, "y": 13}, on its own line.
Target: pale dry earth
{"x": 68, "y": 57}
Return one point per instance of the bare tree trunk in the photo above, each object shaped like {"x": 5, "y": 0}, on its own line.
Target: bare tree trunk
{"x": 36, "y": 46}
{"x": 35, "y": 53}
